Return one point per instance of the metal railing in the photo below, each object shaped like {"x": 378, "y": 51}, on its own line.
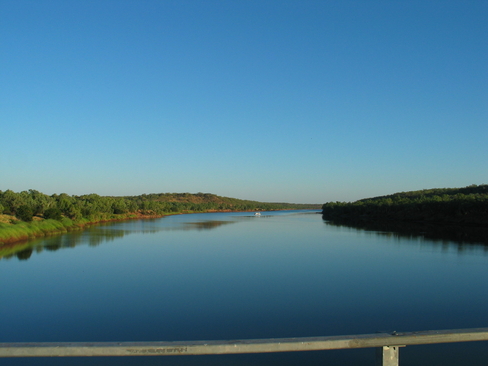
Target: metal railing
{"x": 387, "y": 345}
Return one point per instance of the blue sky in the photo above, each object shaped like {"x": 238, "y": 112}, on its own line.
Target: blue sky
{"x": 279, "y": 101}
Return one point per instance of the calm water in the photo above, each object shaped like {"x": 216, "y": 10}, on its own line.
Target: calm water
{"x": 235, "y": 276}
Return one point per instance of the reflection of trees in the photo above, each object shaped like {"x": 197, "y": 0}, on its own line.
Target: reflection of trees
{"x": 96, "y": 235}
{"x": 101, "y": 235}
{"x": 206, "y": 225}
{"x": 52, "y": 247}
{"x": 461, "y": 237}
{"x": 25, "y": 254}
{"x": 92, "y": 236}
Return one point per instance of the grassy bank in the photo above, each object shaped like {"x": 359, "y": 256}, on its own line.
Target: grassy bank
{"x": 13, "y": 230}
{"x": 19, "y": 230}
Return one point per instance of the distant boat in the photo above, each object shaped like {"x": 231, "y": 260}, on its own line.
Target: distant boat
{"x": 257, "y": 214}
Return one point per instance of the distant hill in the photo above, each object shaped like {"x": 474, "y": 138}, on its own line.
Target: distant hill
{"x": 176, "y": 202}
{"x": 460, "y": 206}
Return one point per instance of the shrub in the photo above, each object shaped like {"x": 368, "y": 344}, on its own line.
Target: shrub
{"x": 53, "y": 213}
{"x": 24, "y": 213}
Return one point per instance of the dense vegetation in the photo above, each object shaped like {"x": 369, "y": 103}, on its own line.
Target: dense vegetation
{"x": 32, "y": 213}
{"x": 460, "y": 206}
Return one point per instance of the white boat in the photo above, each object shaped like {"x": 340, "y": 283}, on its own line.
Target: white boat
{"x": 257, "y": 214}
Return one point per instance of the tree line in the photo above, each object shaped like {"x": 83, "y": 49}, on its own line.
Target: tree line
{"x": 465, "y": 206}
{"x": 27, "y": 205}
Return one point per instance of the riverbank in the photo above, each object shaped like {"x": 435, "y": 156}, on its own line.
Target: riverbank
{"x": 31, "y": 214}
{"x": 14, "y": 231}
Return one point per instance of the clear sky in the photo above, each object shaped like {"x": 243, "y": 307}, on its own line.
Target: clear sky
{"x": 278, "y": 101}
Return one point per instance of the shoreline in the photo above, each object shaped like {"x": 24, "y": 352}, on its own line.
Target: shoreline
{"x": 33, "y": 231}
{"x": 24, "y": 231}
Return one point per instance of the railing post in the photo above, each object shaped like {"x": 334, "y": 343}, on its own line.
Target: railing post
{"x": 388, "y": 356}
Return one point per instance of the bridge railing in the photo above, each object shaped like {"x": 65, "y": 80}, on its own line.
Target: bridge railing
{"x": 387, "y": 345}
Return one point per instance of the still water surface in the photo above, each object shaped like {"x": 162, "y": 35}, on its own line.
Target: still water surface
{"x": 236, "y": 276}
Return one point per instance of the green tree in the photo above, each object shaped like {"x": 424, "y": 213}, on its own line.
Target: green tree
{"x": 11, "y": 201}
{"x": 74, "y": 213}
{"x": 65, "y": 203}
{"x": 53, "y": 213}
{"x": 40, "y": 201}
{"x": 24, "y": 213}
{"x": 119, "y": 206}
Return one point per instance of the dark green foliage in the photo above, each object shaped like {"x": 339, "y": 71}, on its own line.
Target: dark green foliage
{"x": 11, "y": 201}
{"x": 39, "y": 201}
{"x": 467, "y": 206}
{"x": 53, "y": 213}
{"x": 119, "y": 206}
{"x": 24, "y": 213}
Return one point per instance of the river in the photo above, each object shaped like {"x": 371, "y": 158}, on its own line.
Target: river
{"x": 239, "y": 276}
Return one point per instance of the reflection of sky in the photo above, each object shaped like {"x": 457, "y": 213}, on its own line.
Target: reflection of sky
{"x": 283, "y": 276}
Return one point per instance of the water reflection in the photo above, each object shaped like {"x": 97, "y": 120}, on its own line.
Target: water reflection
{"x": 447, "y": 238}
{"x": 92, "y": 237}
{"x": 205, "y": 225}
{"x": 95, "y": 235}
{"x": 24, "y": 254}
